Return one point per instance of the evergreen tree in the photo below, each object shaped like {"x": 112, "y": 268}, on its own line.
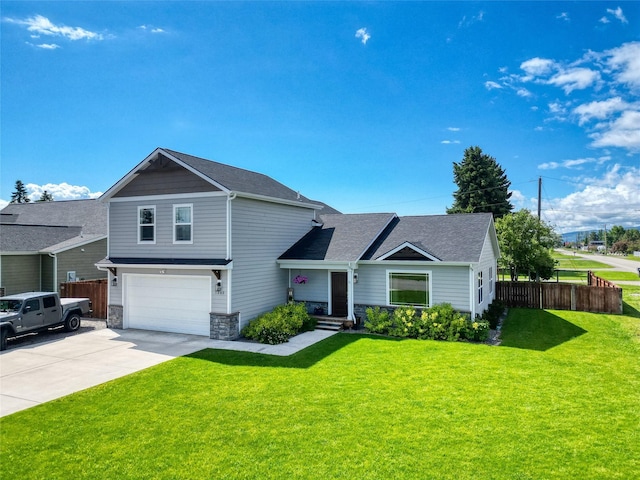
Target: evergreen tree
{"x": 482, "y": 185}
{"x": 45, "y": 197}
{"x": 20, "y": 195}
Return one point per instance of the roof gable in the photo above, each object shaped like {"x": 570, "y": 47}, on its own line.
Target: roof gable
{"x": 408, "y": 251}
{"x": 213, "y": 176}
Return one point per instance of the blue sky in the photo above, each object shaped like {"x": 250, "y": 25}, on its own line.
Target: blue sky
{"x": 363, "y": 105}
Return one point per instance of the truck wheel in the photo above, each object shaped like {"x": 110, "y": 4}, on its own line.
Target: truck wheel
{"x": 3, "y": 339}
{"x": 72, "y": 323}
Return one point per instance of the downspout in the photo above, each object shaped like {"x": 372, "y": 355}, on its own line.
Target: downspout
{"x": 472, "y": 292}
{"x": 230, "y": 197}
{"x": 55, "y": 272}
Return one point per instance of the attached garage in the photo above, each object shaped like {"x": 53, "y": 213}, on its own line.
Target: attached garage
{"x": 167, "y": 303}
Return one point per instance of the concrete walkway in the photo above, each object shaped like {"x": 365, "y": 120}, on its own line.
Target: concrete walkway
{"x": 34, "y": 374}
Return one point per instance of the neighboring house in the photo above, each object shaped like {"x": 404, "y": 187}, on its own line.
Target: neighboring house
{"x": 45, "y": 243}
{"x": 351, "y": 262}
{"x": 193, "y": 245}
{"x": 196, "y": 247}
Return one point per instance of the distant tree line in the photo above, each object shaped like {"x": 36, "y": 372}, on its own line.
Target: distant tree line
{"x": 20, "y": 194}
{"x": 618, "y": 239}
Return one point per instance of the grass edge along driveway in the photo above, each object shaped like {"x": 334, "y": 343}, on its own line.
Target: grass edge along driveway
{"x": 559, "y": 399}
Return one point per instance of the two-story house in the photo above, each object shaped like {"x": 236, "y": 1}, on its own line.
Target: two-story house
{"x": 200, "y": 247}
{"x": 193, "y": 245}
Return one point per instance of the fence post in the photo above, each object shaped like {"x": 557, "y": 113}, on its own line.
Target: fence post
{"x": 573, "y": 297}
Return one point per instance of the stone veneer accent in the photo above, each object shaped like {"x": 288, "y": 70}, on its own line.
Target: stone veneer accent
{"x": 224, "y": 326}
{"x": 115, "y": 316}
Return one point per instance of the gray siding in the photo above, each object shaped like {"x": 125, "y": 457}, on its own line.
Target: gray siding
{"x": 487, "y": 260}
{"x": 165, "y": 182}
{"x": 261, "y": 232}
{"x": 82, "y": 260}
{"x": 315, "y": 290}
{"x": 20, "y": 273}
{"x": 449, "y": 284}
{"x": 209, "y": 229}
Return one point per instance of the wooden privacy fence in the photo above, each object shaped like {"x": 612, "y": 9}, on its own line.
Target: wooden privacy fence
{"x": 96, "y": 290}
{"x": 600, "y": 296}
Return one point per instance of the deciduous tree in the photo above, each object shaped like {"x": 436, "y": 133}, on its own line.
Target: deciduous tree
{"x": 525, "y": 245}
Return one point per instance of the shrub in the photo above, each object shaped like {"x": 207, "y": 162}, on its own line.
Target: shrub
{"x": 493, "y": 313}
{"x": 378, "y": 320}
{"x": 404, "y": 322}
{"x": 479, "y": 330}
{"x": 282, "y": 323}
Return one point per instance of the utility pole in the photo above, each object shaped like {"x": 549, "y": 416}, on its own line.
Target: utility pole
{"x": 539, "y": 197}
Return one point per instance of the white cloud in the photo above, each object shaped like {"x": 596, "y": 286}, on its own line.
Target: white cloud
{"x": 574, "y": 79}
{"x": 40, "y": 25}
{"x": 60, "y": 191}
{"x": 490, "y": 85}
{"x": 617, "y": 13}
{"x": 573, "y": 163}
{"x": 536, "y": 67}
{"x": 152, "y": 29}
{"x": 453, "y": 129}
{"x": 625, "y": 63}
{"x": 467, "y": 22}
{"x": 604, "y": 20}
{"x": 363, "y": 35}
{"x": 612, "y": 199}
{"x": 563, "y": 16}
{"x": 450, "y": 142}
{"x": 48, "y": 46}
{"x": 523, "y": 92}
{"x": 623, "y": 132}
{"x": 600, "y": 109}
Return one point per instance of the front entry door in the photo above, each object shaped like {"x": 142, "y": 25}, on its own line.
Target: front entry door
{"x": 339, "y": 294}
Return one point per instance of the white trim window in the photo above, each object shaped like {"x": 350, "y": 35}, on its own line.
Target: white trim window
{"x": 147, "y": 224}
{"x": 183, "y": 223}
{"x": 409, "y": 288}
{"x": 480, "y": 288}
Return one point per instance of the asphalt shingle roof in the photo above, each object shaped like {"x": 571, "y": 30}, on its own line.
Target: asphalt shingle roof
{"x": 448, "y": 238}
{"x": 342, "y": 237}
{"x": 38, "y": 226}
{"x": 239, "y": 180}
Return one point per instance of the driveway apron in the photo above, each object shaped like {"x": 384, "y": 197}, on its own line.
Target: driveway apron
{"x": 34, "y": 374}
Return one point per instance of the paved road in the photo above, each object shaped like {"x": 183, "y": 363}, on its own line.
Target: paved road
{"x": 619, "y": 263}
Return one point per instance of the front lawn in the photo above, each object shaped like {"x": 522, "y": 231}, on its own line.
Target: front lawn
{"x": 558, "y": 399}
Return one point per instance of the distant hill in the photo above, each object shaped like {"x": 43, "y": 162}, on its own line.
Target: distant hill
{"x": 573, "y": 236}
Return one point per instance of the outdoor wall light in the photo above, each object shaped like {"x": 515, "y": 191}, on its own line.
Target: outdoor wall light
{"x": 114, "y": 282}
{"x": 355, "y": 278}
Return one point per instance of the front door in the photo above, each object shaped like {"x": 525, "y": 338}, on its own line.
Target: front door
{"x": 339, "y": 294}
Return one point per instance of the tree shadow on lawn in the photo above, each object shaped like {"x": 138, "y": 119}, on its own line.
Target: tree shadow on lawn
{"x": 303, "y": 359}
{"x": 533, "y": 329}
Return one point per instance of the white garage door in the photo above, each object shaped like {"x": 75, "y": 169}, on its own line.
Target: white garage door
{"x": 166, "y": 303}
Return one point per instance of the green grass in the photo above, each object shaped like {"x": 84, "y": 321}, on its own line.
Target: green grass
{"x": 558, "y": 399}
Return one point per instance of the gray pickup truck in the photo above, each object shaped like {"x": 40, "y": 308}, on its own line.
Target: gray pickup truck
{"x": 29, "y": 312}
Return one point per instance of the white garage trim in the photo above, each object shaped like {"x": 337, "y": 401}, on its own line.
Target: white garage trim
{"x": 167, "y": 303}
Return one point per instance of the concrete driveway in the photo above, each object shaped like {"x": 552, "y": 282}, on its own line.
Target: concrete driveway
{"x": 34, "y": 374}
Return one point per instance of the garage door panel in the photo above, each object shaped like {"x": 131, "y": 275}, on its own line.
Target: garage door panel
{"x": 179, "y": 304}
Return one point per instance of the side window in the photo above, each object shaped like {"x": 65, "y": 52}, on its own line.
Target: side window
{"x": 147, "y": 224}
{"x": 479, "y": 287}
{"x": 183, "y": 223}
{"x": 49, "y": 302}
{"x": 32, "y": 305}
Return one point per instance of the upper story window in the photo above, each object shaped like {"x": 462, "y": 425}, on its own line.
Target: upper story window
{"x": 408, "y": 288}
{"x": 147, "y": 224}
{"x": 183, "y": 223}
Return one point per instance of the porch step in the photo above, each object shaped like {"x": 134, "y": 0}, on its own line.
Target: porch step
{"x": 328, "y": 324}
